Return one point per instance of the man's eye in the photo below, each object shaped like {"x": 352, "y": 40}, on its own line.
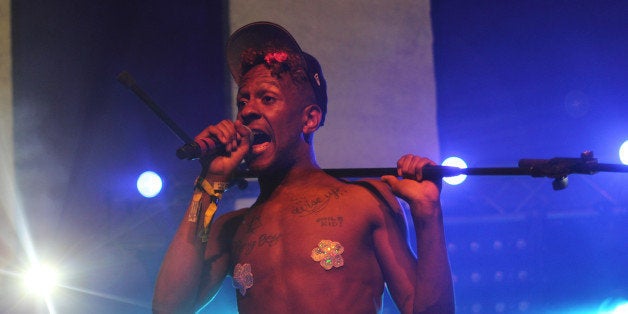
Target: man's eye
{"x": 241, "y": 103}
{"x": 268, "y": 99}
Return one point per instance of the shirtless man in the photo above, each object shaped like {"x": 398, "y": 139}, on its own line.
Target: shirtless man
{"x": 311, "y": 243}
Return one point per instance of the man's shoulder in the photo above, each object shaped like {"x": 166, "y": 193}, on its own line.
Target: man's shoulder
{"x": 372, "y": 186}
{"x": 380, "y": 191}
{"x": 355, "y": 187}
{"x": 377, "y": 187}
{"x": 230, "y": 217}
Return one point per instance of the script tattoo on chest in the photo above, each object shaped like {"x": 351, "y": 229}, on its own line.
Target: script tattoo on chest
{"x": 264, "y": 240}
{"x": 252, "y": 223}
{"x": 308, "y": 206}
{"x": 330, "y": 221}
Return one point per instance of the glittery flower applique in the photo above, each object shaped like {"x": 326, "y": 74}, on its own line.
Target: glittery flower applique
{"x": 328, "y": 253}
{"x": 242, "y": 277}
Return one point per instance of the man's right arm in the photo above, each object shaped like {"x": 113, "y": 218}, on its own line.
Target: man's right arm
{"x": 192, "y": 271}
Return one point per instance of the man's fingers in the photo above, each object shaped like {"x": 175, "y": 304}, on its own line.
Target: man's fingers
{"x": 411, "y": 166}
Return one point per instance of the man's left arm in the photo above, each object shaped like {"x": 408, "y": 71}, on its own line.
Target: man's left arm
{"x": 433, "y": 287}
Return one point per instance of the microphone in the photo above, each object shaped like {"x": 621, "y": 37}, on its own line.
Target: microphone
{"x": 199, "y": 148}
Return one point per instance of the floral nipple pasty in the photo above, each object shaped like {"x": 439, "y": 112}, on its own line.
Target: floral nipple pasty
{"x": 329, "y": 254}
{"x": 242, "y": 277}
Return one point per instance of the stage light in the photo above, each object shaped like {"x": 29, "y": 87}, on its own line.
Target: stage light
{"x": 455, "y": 162}
{"x": 623, "y": 153}
{"x": 613, "y": 306}
{"x": 149, "y": 184}
{"x": 40, "y": 279}
{"x": 621, "y": 309}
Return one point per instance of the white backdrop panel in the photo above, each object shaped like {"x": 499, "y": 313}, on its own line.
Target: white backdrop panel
{"x": 377, "y": 59}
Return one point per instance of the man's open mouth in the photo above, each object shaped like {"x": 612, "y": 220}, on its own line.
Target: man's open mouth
{"x": 260, "y": 137}
{"x": 261, "y": 141}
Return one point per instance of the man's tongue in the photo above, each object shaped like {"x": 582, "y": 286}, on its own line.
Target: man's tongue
{"x": 261, "y": 141}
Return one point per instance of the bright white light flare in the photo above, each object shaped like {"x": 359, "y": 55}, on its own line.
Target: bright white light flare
{"x": 149, "y": 184}
{"x": 455, "y": 162}
{"x": 41, "y": 279}
{"x": 623, "y": 153}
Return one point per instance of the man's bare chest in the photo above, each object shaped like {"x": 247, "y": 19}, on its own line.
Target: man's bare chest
{"x": 287, "y": 229}
{"x": 278, "y": 227}
{"x": 304, "y": 235}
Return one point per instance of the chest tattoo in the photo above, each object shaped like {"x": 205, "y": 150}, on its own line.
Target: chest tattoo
{"x": 303, "y": 206}
{"x": 330, "y": 221}
{"x": 247, "y": 246}
{"x": 253, "y": 223}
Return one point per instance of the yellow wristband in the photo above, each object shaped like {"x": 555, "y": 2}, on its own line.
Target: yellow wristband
{"x": 214, "y": 189}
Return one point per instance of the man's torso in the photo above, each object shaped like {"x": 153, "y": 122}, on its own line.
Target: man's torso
{"x": 278, "y": 240}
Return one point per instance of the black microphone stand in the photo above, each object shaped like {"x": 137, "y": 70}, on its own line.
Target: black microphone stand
{"x": 556, "y": 168}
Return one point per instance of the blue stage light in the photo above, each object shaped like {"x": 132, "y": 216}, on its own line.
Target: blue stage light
{"x": 621, "y": 309}
{"x": 623, "y": 153}
{"x": 613, "y": 306}
{"x": 455, "y": 162}
{"x": 149, "y": 184}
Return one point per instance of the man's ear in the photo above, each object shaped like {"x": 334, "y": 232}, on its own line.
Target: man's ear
{"x": 312, "y": 116}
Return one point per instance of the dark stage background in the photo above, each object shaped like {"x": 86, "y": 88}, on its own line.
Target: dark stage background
{"x": 515, "y": 79}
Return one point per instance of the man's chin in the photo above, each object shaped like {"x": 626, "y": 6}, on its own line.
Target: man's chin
{"x": 254, "y": 165}
{"x": 259, "y": 168}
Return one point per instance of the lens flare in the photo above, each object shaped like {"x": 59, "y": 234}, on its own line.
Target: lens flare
{"x": 623, "y": 153}
{"x": 149, "y": 184}
{"x": 455, "y": 162}
{"x": 40, "y": 279}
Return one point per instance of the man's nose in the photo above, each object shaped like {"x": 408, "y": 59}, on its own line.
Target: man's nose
{"x": 250, "y": 112}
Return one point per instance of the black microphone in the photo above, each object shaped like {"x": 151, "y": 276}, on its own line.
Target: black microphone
{"x": 199, "y": 148}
